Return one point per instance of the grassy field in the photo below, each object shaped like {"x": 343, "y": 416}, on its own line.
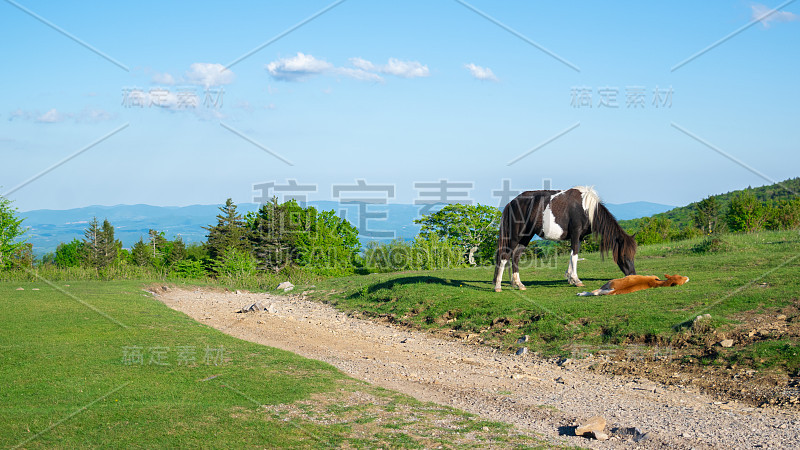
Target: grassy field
{"x": 734, "y": 278}
{"x": 90, "y": 364}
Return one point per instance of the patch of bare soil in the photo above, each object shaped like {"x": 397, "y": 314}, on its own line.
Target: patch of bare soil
{"x": 699, "y": 358}
{"x": 542, "y": 396}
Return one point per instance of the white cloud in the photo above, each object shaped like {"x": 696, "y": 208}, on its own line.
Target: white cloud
{"x": 209, "y": 74}
{"x": 481, "y": 73}
{"x": 88, "y": 114}
{"x": 52, "y": 116}
{"x": 358, "y": 74}
{"x": 19, "y": 114}
{"x": 396, "y": 67}
{"x": 297, "y": 68}
{"x": 405, "y": 69}
{"x": 303, "y": 66}
{"x": 94, "y": 115}
{"x": 362, "y": 64}
{"x": 163, "y": 78}
{"x": 765, "y": 15}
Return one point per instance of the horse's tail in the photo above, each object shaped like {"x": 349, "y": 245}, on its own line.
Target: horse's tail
{"x": 611, "y": 236}
{"x": 504, "y": 236}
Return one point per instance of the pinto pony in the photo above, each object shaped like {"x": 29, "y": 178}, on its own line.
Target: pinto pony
{"x": 633, "y": 283}
{"x": 560, "y": 215}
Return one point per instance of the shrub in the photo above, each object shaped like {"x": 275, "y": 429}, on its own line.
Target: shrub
{"x": 235, "y": 263}
{"x": 188, "y": 268}
{"x": 711, "y": 244}
{"x": 745, "y": 213}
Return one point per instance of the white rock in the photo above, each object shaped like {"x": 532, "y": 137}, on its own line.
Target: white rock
{"x": 286, "y": 286}
{"x": 599, "y": 435}
{"x": 595, "y": 424}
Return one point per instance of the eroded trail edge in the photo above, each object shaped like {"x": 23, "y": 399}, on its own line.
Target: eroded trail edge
{"x": 526, "y": 391}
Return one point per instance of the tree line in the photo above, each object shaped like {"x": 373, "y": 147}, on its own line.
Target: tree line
{"x": 743, "y": 213}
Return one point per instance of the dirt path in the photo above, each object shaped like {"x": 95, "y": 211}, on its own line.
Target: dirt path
{"x": 528, "y": 392}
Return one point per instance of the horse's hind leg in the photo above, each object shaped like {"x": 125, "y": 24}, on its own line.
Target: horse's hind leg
{"x": 499, "y": 267}
{"x": 515, "y": 281}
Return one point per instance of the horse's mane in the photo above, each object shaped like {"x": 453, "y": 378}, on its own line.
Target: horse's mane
{"x": 612, "y": 237}
{"x": 589, "y": 202}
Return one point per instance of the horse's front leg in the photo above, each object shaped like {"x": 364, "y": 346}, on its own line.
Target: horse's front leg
{"x": 515, "y": 281}
{"x": 572, "y": 269}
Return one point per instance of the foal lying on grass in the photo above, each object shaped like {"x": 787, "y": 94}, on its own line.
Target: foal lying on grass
{"x": 633, "y": 283}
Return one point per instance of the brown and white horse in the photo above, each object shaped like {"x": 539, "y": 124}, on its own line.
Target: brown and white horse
{"x": 560, "y": 215}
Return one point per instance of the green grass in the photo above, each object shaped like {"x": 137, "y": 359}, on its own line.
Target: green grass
{"x": 726, "y": 278}
{"x": 70, "y": 378}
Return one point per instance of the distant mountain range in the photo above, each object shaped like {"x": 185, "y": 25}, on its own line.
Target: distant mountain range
{"x": 47, "y": 228}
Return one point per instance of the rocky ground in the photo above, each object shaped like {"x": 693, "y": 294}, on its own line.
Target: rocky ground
{"x": 549, "y": 397}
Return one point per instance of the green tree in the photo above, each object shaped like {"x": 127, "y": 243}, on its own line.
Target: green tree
{"x": 745, "y": 212}
{"x": 91, "y": 244}
{"x": 286, "y": 234}
{"x": 69, "y": 254}
{"x": 157, "y": 244}
{"x": 10, "y": 232}
{"x": 100, "y": 248}
{"x": 177, "y": 251}
{"x": 141, "y": 255}
{"x": 783, "y": 215}
{"x": 274, "y": 233}
{"x": 23, "y": 256}
{"x": 707, "y": 214}
{"x": 329, "y": 241}
{"x": 109, "y": 247}
{"x": 229, "y": 232}
{"x": 473, "y": 228}
{"x": 653, "y": 230}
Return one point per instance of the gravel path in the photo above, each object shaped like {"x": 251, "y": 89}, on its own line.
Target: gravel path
{"x": 534, "y": 394}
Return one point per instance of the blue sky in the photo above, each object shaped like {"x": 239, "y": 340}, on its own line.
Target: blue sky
{"x": 394, "y": 93}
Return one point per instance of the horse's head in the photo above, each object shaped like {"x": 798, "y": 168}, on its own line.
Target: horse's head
{"x": 625, "y": 251}
{"x": 626, "y": 266}
{"x": 675, "y": 280}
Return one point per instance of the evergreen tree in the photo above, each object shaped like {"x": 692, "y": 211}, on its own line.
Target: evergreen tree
{"x": 274, "y": 230}
{"x": 177, "y": 251}
{"x": 707, "y": 214}
{"x": 100, "y": 248}
{"x": 91, "y": 244}
{"x": 157, "y": 244}
{"x": 141, "y": 254}
{"x": 108, "y": 246}
{"x": 229, "y": 232}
